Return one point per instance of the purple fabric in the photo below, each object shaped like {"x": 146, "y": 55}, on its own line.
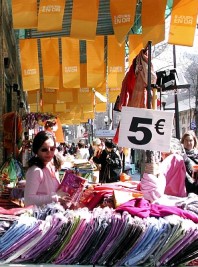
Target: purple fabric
{"x": 74, "y": 252}
{"x": 72, "y": 243}
{"x": 142, "y": 208}
{"x": 31, "y": 232}
{"x": 45, "y": 242}
{"x": 113, "y": 234}
{"x": 188, "y": 238}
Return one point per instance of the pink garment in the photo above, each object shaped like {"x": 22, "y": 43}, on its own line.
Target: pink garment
{"x": 40, "y": 186}
{"x": 173, "y": 168}
{"x": 142, "y": 208}
{"x": 171, "y": 180}
{"x": 152, "y": 187}
{"x": 15, "y": 211}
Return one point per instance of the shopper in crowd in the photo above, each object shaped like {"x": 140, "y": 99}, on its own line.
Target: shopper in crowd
{"x": 42, "y": 176}
{"x": 60, "y": 149}
{"x": 110, "y": 162}
{"x": 82, "y": 151}
{"x": 97, "y": 147}
{"x": 189, "y": 142}
{"x": 97, "y": 150}
{"x": 91, "y": 151}
{"x": 65, "y": 148}
{"x": 50, "y": 126}
{"x": 72, "y": 149}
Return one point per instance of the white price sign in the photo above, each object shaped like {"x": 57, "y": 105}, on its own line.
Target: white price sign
{"x": 145, "y": 129}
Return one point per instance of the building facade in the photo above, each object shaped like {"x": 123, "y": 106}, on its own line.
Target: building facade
{"x": 10, "y": 79}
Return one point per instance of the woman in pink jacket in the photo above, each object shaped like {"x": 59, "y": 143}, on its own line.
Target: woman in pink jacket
{"x": 42, "y": 177}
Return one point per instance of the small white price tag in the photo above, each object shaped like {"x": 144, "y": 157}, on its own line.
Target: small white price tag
{"x": 145, "y": 129}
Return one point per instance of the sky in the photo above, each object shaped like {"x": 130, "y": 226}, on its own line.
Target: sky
{"x": 165, "y": 59}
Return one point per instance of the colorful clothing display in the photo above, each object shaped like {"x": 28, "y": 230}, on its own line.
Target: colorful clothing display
{"x": 165, "y": 236}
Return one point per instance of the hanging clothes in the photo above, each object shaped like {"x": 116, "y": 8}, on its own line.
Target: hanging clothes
{"x": 128, "y": 84}
{"x": 133, "y": 92}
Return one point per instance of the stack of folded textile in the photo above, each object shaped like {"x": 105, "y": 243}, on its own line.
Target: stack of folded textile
{"x": 152, "y": 187}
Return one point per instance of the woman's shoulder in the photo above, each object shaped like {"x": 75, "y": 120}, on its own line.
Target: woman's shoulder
{"x": 192, "y": 152}
{"x": 196, "y": 151}
{"x": 85, "y": 149}
{"x": 34, "y": 169}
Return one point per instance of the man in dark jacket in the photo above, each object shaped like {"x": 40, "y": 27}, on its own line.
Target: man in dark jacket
{"x": 110, "y": 162}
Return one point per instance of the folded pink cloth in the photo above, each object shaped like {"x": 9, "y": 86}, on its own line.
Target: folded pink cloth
{"x": 152, "y": 187}
{"x": 171, "y": 180}
{"x": 173, "y": 168}
{"x": 142, "y": 208}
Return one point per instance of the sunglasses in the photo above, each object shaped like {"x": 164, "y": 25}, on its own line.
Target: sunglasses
{"x": 45, "y": 149}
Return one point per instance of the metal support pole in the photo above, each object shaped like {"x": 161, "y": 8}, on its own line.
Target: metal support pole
{"x": 174, "y": 57}
{"x": 149, "y": 76}
{"x": 177, "y": 116}
{"x": 176, "y": 100}
{"x": 146, "y": 155}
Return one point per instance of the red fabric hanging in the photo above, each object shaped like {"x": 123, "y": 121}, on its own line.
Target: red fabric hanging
{"x": 133, "y": 92}
{"x": 128, "y": 84}
{"x": 12, "y": 126}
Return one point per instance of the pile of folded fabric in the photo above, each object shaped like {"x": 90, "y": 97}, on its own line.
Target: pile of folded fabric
{"x": 137, "y": 233}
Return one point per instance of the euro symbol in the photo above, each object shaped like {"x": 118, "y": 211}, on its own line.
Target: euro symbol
{"x": 159, "y": 127}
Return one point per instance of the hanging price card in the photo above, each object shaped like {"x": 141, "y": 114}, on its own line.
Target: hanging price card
{"x": 145, "y": 129}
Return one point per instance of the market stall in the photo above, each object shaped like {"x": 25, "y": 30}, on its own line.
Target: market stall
{"x": 104, "y": 224}
{"x": 118, "y": 224}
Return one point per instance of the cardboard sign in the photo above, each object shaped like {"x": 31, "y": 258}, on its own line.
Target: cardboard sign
{"x": 145, "y": 129}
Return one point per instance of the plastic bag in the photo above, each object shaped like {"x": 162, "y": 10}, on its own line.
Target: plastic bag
{"x": 8, "y": 172}
{"x": 8, "y": 176}
{"x": 19, "y": 170}
{"x": 12, "y": 172}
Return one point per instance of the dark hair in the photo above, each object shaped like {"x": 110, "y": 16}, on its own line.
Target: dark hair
{"x": 38, "y": 141}
{"x": 60, "y": 148}
{"x": 40, "y": 138}
{"x": 50, "y": 124}
{"x": 81, "y": 144}
{"x": 109, "y": 144}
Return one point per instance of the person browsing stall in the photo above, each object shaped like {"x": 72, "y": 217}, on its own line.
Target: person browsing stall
{"x": 190, "y": 142}
{"x": 50, "y": 126}
{"x": 110, "y": 163}
{"x": 190, "y": 155}
{"x": 97, "y": 147}
{"x": 82, "y": 151}
{"x": 42, "y": 176}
